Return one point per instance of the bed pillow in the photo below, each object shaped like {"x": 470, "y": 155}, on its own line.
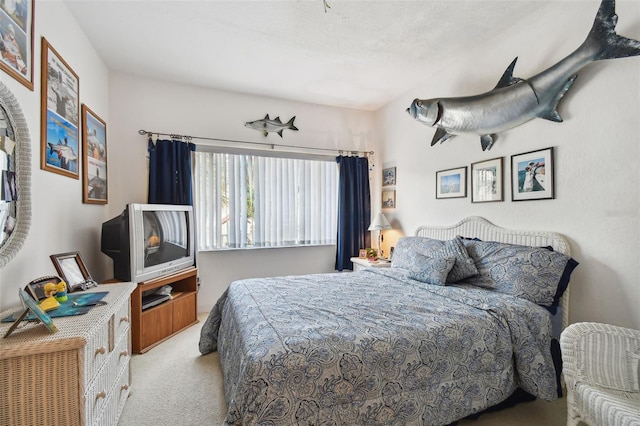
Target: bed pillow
{"x": 464, "y": 267}
{"x": 408, "y": 248}
{"x": 431, "y": 270}
{"x": 533, "y": 273}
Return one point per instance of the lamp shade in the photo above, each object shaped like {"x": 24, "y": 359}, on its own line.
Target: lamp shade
{"x": 379, "y": 223}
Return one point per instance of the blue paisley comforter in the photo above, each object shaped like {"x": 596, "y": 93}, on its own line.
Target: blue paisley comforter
{"x": 373, "y": 348}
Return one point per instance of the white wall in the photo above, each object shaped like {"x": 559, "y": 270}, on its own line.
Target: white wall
{"x": 596, "y": 158}
{"x": 137, "y": 103}
{"x": 60, "y": 221}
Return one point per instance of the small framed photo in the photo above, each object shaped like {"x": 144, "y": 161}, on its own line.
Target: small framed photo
{"x": 60, "y": 113}
{"x": 362, "y": 254}
{"x": 451, "y": 183}
{"x": 94, "y": 160}
{"x": 487, "y": 181}
{"x": 72, "y": 270}
{"x": 532, "y": 175}
{"x": 389, "y": 199}
{"x": 16, "y": 29}
{"x": 389, "y": 176}
{"x": 36, "y": 288}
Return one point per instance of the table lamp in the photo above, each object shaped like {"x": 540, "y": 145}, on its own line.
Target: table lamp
{"x": 379, "y": 223}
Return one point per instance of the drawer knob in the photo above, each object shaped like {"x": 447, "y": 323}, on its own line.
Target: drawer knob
{"x": 124, "y": 353}
{"x": 102, "y": 394}
{"x": 124, "y": 387}
{"x": 101, "y": 350}
{"x": 124, "y": 319}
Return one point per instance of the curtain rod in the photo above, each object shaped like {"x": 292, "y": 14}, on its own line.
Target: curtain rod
{"x": 272, "y": 145}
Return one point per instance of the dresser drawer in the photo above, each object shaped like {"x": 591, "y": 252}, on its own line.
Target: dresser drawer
{"x": 121, "y": 321}
{"x": 100, "y": 390}
{"x": 115, "y": 401}
{"x": 97, "y": 350}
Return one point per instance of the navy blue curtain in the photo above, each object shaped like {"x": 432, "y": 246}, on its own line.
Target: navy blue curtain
{"x": 170, "y": 172}
{"x": 354, "y": 209}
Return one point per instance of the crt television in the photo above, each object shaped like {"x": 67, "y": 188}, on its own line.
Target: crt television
{"x": 149, "y": 240}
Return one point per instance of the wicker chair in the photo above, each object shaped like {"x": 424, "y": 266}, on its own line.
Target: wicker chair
{"x": 601, "y": 367}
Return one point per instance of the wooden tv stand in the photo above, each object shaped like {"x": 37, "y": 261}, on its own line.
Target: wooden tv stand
{"x": 158, "y": 323}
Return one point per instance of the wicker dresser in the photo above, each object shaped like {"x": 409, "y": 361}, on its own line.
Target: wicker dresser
{"x": 77, "y": 376}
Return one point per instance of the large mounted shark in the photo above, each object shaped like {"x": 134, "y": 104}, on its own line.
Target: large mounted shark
{"x": 515, "y": 101}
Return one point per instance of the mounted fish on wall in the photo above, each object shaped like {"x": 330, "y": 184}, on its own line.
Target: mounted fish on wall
{"x": 515, "y": 101}
{"x": 267, "y": 125}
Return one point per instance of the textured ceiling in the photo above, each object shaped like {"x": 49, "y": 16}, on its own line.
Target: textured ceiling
{"x": 359, "y": 54}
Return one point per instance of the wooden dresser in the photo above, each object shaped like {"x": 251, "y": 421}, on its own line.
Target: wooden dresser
{"x": 77, "y": 376}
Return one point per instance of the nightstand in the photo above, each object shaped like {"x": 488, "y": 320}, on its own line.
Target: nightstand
{"x": 360, "y": 263}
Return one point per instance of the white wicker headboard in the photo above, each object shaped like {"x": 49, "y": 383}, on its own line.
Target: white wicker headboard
{"x": 478, "y": 227}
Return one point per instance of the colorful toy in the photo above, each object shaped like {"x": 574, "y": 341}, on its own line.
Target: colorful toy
{"x": 61, "y": 292}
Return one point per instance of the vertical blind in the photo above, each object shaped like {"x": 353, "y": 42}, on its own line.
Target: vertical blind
{"x": 247, "y": 201}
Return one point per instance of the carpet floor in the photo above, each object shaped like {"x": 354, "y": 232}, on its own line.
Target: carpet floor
{"x": 173, "y": 384}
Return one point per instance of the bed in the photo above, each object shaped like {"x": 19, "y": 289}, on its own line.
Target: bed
{"x": 411, "y": 344}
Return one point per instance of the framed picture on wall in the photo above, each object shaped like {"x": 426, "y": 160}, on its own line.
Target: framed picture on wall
{"x": 16, "y": 29}
{"x": 486, "y": 181}
{"x": 451, "y": 183}
{"x": 532, "y": 175}
{"x": 389, "y": 199}
{"x": 389, "y": 176}
{"x": 94, "y": 158}
{"x": 60, "y": 113}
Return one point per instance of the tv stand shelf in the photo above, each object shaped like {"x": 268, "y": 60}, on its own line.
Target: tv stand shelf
{"x": 158, "y": 323}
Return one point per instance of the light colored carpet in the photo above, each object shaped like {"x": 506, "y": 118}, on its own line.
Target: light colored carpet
{"x": 173, "y": 384}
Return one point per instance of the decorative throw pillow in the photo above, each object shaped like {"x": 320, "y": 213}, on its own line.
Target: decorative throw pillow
{"x": 464, "y": 266}
{"x": 533, "y": 273}
{"x": 431, "y": 270}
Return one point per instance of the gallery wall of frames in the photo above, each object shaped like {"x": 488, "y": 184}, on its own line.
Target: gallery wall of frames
{"x": 73, "y": 139}
{"x": 531, "y": 177}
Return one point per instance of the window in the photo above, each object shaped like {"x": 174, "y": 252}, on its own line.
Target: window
{"x": 245, "y": 201}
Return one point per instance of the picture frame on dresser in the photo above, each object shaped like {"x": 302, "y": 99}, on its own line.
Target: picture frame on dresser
{"x": 30, "y": 306}
{"x": 72, "y": 270}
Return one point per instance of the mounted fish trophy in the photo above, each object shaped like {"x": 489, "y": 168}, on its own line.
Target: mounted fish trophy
{"x": 515, "y": 101}
{"x": 267, "y": 125}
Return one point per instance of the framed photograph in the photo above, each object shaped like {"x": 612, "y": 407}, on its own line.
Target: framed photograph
{"x": 486, "y": 181}
{"x": 72, "y": 270}
{"x": 362, "y": 254}
{"x": 451, "y": 183}
{"x": 36, "y": 288}
{"x": 532, "y": 175}
{"x": 94, "y": 158}
{"x": 30, "y": 306}
{"x": 389, "y": 199}
{"x": 16, "y": 30}
{"x": 389, "y": 176}
{"x": 60, "y": 113}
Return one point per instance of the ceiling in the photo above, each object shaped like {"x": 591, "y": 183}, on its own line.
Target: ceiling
{"x": 354, "y": 54}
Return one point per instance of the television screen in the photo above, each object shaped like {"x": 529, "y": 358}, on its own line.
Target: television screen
{"x": 166, "y": 236}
